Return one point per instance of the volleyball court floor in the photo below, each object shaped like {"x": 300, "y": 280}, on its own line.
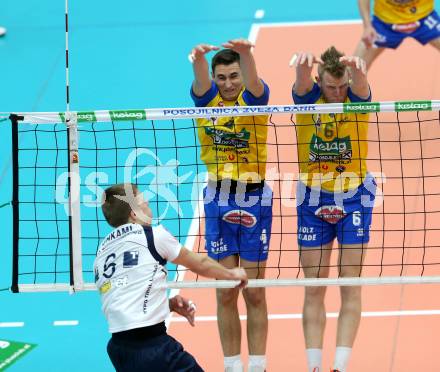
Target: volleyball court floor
{"x": 400, "y": 324}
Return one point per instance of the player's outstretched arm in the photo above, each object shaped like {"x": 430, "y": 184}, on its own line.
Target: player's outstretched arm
{"x": 202, "y": 79}
{"x": 358, "y": 71}
{"x": 369, "y": 34}
{"x": 205, "y": 266}
{"x": 247, "y": 65}
{"x": 303, "y": 62}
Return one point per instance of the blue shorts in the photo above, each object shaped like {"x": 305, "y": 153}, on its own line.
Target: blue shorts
{"x": 389, "y": 37}
{"x": 323, "y": 216}
{"x": 238, "y": 223}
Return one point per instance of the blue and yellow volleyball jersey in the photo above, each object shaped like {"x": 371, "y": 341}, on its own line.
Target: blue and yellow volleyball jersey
{"x": 233, "y": 147}
{"x": 402, "y": 11}
{"x": 332, "y": 148}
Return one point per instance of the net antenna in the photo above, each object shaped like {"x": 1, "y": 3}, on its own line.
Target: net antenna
{"x": 76, "y": 272}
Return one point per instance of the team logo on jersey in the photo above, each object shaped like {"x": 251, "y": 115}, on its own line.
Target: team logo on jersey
{"x": 230, "y": 123}
{"x": 105, "y": 287}
{"x": 131, "y": 258}
{"x": 335, "y": 150}
{"x": 120, "y": 282}
{"x": 238, "y": 140}
{"x": 330, "y": 213}
{"x": 240, "y": 217}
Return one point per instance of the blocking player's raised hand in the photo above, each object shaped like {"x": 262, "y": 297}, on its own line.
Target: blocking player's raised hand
{"x": 303, "y": 62}
{"x": 358, "y": 72}
{"x": 355, "y": 63}
{"x": 241, "y": 46}
{"x": 251, "y": 80}
{"x": 199, "y": 51}
{"x": 202, "y": 79}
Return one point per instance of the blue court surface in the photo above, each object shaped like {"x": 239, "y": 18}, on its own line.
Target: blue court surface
{"x": 123, "y": 55}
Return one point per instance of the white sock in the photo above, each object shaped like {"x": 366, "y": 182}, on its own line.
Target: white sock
{"x": 341, "y": 358}
{"x": 257, "y": 363}
{"x": 314, "y": 360}
{"x": 233, "y": 364}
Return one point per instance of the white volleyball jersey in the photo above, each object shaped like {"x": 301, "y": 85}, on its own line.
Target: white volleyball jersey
{"x": 129, "y": 267}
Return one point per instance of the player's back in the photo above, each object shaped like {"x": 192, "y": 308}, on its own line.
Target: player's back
{"x": 128, "y": 277}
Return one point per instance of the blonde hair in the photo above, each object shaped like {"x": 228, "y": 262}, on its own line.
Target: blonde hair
{"x": 331, "y": 63}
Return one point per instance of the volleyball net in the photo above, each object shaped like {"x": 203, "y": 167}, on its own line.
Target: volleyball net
{"x": 62, "y": 163}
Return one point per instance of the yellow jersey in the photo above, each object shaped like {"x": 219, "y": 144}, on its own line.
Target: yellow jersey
{"x": 402, "y": 11}
{"x": 233, "y": 147}
{"x": 332, "y": 148}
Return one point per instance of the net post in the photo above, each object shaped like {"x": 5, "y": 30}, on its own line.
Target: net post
{"x": 76, "y": 272}
{"x": 15, "y": 209}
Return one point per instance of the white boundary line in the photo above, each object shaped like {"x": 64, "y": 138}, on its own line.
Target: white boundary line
{"x": 208, "y": 318}
{"x": 11, "y": 324}
{"x": 255, "y": 28}
{"x": 60, "y": 323}
{"x": 365, "y": 314}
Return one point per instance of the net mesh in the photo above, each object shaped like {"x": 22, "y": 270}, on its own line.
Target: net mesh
{"x": 163, "y": 158}
{"x": 44, "y": 238}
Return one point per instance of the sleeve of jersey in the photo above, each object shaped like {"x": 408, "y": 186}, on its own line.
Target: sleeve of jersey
{"x": 207, "y": 97}
{"x": 309, "y": 97}
{"x": 251, "y": 100}
{"x": 354, "y": 98}
{"x": 166, "y": 244}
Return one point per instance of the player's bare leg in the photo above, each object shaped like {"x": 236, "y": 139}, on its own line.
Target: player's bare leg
{"x": 315, "y": 264}
{"x": 256, "y": 306}
{"x": 435, "y": 43}
{"x": 350, "y": 263}
{"x": 228, "y": 320}
{"x": 367, "y": 54}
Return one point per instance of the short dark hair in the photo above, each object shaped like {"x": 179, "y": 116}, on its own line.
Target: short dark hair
{"x": 115, "y": 210}
{"x": 331, "y": 63}
{"x": 224, "y": 57}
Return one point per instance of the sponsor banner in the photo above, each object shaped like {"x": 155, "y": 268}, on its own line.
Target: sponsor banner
{"x": 122, "y": 115}
{"x": 413, "y": 106}
{"x": 82, "y": 116}
{"x": 362, "y": 107}
{"x": 11, "y": 351}
{"x": 237, "y": 110}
